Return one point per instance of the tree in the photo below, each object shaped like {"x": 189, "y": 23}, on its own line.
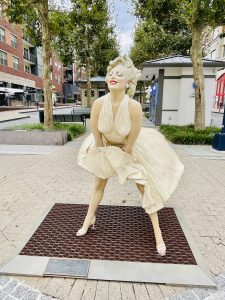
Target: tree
{"x": 152, "y": 41}
{"x": 202, "y": 14}
{"x": 35, "y": 15}
{"x": 94, "y": 40}
{"x": 69, "y": 38}
{"x": 197, "y": 15}
{"x": 105, "y": 49}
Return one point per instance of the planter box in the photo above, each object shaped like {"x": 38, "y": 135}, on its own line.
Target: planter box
{"x": 33, "y": 137}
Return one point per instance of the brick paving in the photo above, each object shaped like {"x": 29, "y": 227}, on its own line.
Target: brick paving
{"x": 31, "y": 184}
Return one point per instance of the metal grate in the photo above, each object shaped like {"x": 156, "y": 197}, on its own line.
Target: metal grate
{"x": 121, "y": 233}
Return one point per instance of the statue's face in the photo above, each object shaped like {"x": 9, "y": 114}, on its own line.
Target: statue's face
{"x": 118, "y": 78}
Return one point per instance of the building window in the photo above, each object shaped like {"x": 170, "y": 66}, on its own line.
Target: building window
{"x": 15, "y": 63}
{"x": 3, "y": 58}
{"x": 2, "y": 34}
{"x": 27, "y": 69}
{"x": 14, "y": 43}
{"x": 56, "y": 64}
{"x": 56, "y": 78}
{"x": 224, "y": 51}
{"x": 26, "y": 53}
{"x": 213, "y": 54}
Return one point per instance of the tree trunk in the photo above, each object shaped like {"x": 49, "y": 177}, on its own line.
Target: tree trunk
{"x": 198, "y": 75}
{"x": 46, "y": 57}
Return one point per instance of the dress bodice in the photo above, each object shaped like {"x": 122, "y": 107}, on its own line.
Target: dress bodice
{"x": 114, "y": 130}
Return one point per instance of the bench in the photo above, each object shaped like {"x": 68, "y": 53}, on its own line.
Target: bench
{"x": 70, "y": 118}
{"x": 81, "y": 111}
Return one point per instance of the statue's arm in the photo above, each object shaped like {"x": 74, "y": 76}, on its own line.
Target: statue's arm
{"x": 136, "y": 122}
{"x": 94, "y": 122}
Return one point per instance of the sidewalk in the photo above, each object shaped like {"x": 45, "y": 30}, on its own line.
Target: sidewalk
{"x": 13, "y": 115}
{"x": 31, "y": 184}
{"x": 21, "y": 114}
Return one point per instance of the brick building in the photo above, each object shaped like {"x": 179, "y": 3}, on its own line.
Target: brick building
{"x": 21, "y": 62}
{"x": 57, "y": 74}
{"x": 72, "y": 73}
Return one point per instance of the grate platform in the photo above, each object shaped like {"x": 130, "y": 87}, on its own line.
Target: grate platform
{"x": 121, "y": 233}
{"x": 121, "y": 248}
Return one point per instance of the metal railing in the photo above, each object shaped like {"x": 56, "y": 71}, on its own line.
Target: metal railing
{"x": 30, "y": 57}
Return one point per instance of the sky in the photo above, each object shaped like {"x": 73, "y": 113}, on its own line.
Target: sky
{"x": 125, "y": 22}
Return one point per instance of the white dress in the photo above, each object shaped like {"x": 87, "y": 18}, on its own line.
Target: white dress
{"x": 153, "y": 162}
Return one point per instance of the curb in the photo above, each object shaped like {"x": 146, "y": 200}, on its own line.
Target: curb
{"x": 14, "y": 119}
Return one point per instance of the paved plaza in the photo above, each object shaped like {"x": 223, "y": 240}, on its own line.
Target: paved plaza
{"x": 31, "y": 182}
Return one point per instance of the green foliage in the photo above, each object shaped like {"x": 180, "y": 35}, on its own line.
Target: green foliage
{"x": 147, "y": 114}
{"x": 165, "y": 26}
{"x": 176, "y": 22}
{"x": 83, "y": 32}
{"x": 70, "y": 100}
{"x": 105, "y": 49}
{"x": 152, "y": 41}
{"x": 188, "y": 135}
{"x": 64, "y": 41}
{"x": 94, "y": 37}
{"x": 175, "y": 15}
{"x": 35, "y": 126}
{"x": 73, "y": 130}
{"x": 28, "y": 13}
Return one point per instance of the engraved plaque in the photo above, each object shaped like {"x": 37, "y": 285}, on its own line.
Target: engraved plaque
{"x": 67, "y": 267}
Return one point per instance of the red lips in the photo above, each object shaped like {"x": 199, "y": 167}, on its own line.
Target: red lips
{"x": 113, "y": 82}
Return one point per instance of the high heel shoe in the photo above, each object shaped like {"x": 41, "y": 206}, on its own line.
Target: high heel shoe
{"x": 161, "y": 249}
{"x": 82, "y": 232}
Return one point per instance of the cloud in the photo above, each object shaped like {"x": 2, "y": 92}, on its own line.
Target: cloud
{"x": 125, "y": 22}
{"x": 125, "y": 40}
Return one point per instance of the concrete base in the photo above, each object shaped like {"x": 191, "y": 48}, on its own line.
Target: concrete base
{"x": 175, "y": 274}
{"x": 33, "y": 137}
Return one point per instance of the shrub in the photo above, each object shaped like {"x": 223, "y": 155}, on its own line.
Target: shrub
{"x": 187, "y": 135}
{"x": 147, "y": 114}
{"x": 73, "y": 130}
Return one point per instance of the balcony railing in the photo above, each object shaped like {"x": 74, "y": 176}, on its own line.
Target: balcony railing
{"x": 30, "y": 57}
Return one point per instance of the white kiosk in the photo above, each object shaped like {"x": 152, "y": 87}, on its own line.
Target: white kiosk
{"x": 173, "y": 100}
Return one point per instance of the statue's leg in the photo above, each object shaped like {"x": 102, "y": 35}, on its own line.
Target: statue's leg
{"x": 96, "y": 197}
{"x": 155, "y": 224}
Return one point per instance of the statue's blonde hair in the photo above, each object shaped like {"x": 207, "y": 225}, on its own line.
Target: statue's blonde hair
{"x": 134, "y": 73}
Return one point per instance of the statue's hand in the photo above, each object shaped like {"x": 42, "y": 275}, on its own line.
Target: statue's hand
{"x": 128, "y": 149}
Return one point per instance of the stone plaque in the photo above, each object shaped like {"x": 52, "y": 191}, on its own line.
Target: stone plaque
{"x": 67, "y": 267}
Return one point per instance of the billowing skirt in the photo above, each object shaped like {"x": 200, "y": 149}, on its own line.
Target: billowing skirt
{"x": 153, "y": 163}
